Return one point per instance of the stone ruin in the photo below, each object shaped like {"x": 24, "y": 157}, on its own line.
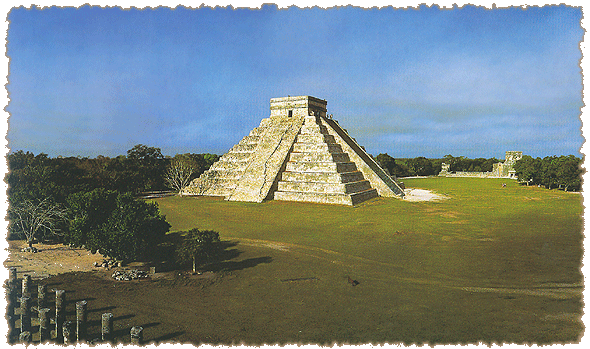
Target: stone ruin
{"x": 35, "y": 322}
{"x": 297, "y": 154}
{"x": 506, "y": 169}
{"x": 500, "y": 170}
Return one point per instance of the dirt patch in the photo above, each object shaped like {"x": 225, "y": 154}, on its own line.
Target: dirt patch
{"x": 563, "y": 292}
{"x": 422, "y": 195}
{"x": 52, "y": 259}
{"x": 269, "y": 244}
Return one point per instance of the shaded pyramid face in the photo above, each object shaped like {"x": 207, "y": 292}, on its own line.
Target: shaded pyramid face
{"x": 318, "y": 170}
{"x": 298, "y": 154}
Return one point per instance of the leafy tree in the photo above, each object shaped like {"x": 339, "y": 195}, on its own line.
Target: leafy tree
{"x": 386, "y": 162}
{"x": 569, "y": 172}
{"x": 420, "y": 166}
{"x": 549, "y": 168}
{"x": 147, "y": 168}
{"x": 30, "y": 219}
{"x": 392, "y": 166}
{"x": 562, "y": 172}
{"x": 114, "y": 224}
{"x": 528, "y": 170}
{"x": 144, "y": 153}
{"x": 31, "y": 178}
{"x": 199, "y": 247}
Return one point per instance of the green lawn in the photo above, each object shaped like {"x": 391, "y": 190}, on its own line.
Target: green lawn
{"x": 488, "y": 264}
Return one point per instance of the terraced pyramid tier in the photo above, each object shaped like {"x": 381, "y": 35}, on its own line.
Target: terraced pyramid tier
{"x": 319, "y": 171}
{"x": 222, "y": 177}
{"x": 298, "y": 154}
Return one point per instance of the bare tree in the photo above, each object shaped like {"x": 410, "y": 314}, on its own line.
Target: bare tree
{"x": 179, "y": 174}
{"x": 30, "y": 218}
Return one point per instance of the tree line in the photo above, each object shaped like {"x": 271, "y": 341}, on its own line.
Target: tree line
{"x": 421, "y": 166}
{"x": 561, "y": 172}
{"x": 92, "y": 202}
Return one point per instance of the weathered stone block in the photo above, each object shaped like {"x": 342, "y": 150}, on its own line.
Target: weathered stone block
{"x": 320, "y": 166}
{"x": 315, "y": 138}
{"x": 322, "y": 177}
{"x": 317, "y": 147}
{"x": 319, "y": 157}
{"x": 323, "y": 187}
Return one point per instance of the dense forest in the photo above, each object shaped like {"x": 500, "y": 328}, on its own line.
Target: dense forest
{"x": 92, "y": 202}
{"x": 562, "y": 172}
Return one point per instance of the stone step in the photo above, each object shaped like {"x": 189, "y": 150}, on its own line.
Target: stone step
{"x": 313, "y": 129}
{"x": 314, "y": 187}
{"x": 235, "y": 156}
{"x": 257, "y": 131}
{"x": 205, "y": 188}
{"x": 222, "y": 173}
{"x": 315, "y": 138}
{"x": 229, "y": 165}
{"x": 316, "y": 148}
{"x": 323, "y": 157}
{"x": 250, "y": 140}
{"x": 243, "y": 148}
{"x": 327, "y": 198}
{"x": 321, "y": 198}
{"x": 359, "y": 197}
{"x": 217, "y": 180}
{"x": 265, "y": 122}
{"x": 322, "y": 177}
{"x": 339, "y": 167}
{"x": 311, "y": 119}
{"x": 208, "y": 191}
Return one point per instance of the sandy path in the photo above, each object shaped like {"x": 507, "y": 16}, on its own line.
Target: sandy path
{"x": 422, "y": 195}
{"x": 50, "y": 260}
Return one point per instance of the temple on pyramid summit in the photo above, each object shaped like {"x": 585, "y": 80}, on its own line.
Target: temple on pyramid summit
{"x": 297, "y": 154}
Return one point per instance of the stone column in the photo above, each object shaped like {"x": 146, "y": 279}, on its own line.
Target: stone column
{"x": 26, "y": 283}
{"x": 41, "y": 296}
{"x": 107, "y": 327}
{"x": 12, "y": 299}
{"x": 25, "y": 337}
{"x": 81, "y": 317}
{"x": 68, "y": 332}
{"x": 44, "y": 333}
{"x": 60, "y": 309}
{"x": 25, "y": 314}
{"x": 12, "y": 275}
{"x": 137, "y": 335}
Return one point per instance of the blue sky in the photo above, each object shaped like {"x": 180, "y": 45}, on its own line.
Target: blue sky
{"x": 417, "y": 82}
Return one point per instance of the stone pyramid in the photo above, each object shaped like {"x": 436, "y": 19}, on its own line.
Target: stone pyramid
{"x": 297, "y": 154}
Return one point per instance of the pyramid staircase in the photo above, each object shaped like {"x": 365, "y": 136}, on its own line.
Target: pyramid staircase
{"x": 318, "y": 170}
{"x": 298, "y": 154}
{"x": 223, "y": 176}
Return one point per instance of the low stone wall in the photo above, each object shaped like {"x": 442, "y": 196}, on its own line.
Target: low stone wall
{"x": 470, "y": 174}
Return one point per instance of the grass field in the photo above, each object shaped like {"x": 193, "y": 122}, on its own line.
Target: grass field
{"x": 489, "y": 264}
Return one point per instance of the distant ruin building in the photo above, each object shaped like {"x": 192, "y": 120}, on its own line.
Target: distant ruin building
{"x": 500, "y": 169}
{"x": 297, "y": 154}
{"x": 506, "y": 169}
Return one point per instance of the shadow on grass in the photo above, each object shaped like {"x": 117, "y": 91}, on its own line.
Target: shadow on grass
{"x": 103, "y": 309}
{"x": 225, "y": 260}
{"x": 239, "y": 265}
{"x": 166, "y": 337}
{"x": 76, "y": 300}
{"x": 228, "y": 253}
